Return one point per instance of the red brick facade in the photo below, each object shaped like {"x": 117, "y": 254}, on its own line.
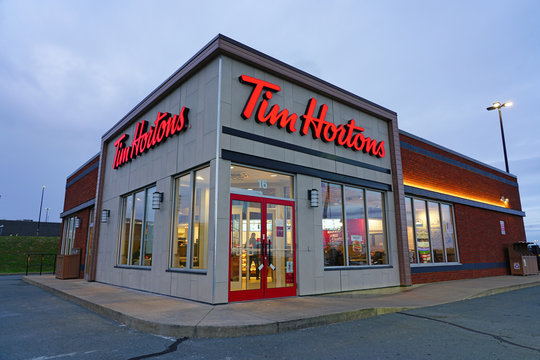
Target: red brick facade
{"x": 80, "y": 189}
{"x": 481, "y": 246}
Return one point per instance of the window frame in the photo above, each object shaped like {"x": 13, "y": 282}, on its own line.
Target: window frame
{"x": 122, "y": 212}
{"x": 369, "y": 265}
{"x": 90, "y": 234}
{"x": 68, "y": 238}
{"x": 189, "y": 244}
{"x": 439, "y": 203}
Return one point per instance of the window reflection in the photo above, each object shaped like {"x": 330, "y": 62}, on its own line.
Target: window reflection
{"x": 430, "y": 231}
{"x": 448, "y": 231}
{"x": 356, "y": 226}
{"x": 435, "y": 232}
{"x": 332, "y": 224}
{"x": 255, "y": 182}
{"x": 364, "y": 231}
{"x": 422, "y": 236}
{"x": 377, "y": 238}
{"x": 183, "y": 204}
{"x": 410, "y": 230}
{"x": 137, "y": 229}
{"x": 201, "y": 212}
{"x": 137, "y": 232}
{"x": 127, "y": 203}
{"x": 148, "y": 235}
{"x": 191, "y": 220}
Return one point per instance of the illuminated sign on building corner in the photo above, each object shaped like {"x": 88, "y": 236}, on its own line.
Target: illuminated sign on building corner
{"x": 347, "y": 135}
{"x": 165, "y": 126}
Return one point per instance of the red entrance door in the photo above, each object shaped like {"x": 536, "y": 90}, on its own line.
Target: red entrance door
{"x": 262, "y": 248}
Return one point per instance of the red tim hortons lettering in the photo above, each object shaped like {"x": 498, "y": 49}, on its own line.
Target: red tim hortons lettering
{"x": 164, "y": 126}
{"x": 316, "y": 124}
{"x": 260, "y": 85}
{"x": 275, "y": 115}
{"x": 347, "y": 135}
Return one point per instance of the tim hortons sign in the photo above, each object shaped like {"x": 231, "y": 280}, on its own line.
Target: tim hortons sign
{"x": 165, "y": 126}
{"x": 347, "y": 135}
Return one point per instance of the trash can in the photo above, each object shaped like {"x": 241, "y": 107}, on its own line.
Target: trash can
{"x": 67, "y": 266}
{"x": 522, "y": 260}
{"x": 535, "y": 249}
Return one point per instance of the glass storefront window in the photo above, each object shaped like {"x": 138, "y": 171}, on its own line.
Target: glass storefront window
{"x": 181, "y": 223}
{"x": 410, "y": 230}
{"x": 422, "y": 234}
{"x": 201, "y": 212}
{"x": 448, "y": 231}
{"x": 191, "y": 220}
{"x": 255, "y": 182}
{"x": 376, "y": 227}
{"x": 432, "y": 238}
{"x": 435, "y": 232}
{"x": 127, "y": 207}
{"x": 332, "y": 224}
{"x": 148, "y": 236}
{"x": 356, "y": 226}
{"x": 137, "y": 228}
{"x": 364, "y": 231}
{"x": 68, "y": 237}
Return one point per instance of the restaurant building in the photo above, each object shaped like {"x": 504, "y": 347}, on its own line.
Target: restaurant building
{"x": 241, "y": 177}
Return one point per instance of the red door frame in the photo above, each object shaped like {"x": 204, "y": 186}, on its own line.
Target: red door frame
{"x": 263, "y": 292}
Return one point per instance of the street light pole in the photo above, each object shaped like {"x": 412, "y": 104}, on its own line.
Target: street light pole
{"x": 47, "y": 214}
{"x": 40, "y": 208}
{"x": 503, "y": 141}
{"x": 498, "y": 106}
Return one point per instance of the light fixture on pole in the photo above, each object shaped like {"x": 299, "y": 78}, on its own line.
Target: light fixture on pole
{"x": 40, "y": 208}
{"x": 497, "y": 105}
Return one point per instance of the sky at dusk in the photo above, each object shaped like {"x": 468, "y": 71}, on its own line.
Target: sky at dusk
{"x": 69, "y": 70}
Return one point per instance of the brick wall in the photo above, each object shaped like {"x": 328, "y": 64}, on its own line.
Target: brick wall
{"x": 457, "y": 275}
{"x": 80, "y": 188}
{"x": 480, "y": 242}
{"x": 81, "y": 235}
{"x": 84, "y": 188}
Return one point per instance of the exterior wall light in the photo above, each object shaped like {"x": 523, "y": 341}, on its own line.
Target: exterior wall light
{"x": 157, "y": 198}
{"x": 505, "y": 200}
{"x": 105, "y": 216}
{"x": 77, "y": 222}
{"x": 313, "y": 196}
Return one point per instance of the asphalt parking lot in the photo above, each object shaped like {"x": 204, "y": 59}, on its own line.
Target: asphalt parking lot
{"x": 38, "y": 325}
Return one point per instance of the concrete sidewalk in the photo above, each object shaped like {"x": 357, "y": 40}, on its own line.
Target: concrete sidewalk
{"x": 175, "y": 317}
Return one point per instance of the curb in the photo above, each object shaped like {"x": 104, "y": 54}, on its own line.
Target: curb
{"x": 267, "y": 328}
{"x": 198, "y": 331}
{"x": 503, "y": 290}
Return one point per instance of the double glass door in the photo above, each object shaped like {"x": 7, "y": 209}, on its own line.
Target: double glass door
{"x": 262, "y": 248}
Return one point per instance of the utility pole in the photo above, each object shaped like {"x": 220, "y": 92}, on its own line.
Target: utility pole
{"x": 40, "y": 208}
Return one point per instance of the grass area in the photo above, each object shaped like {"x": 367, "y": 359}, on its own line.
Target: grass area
{"x": 13, "y": 250}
